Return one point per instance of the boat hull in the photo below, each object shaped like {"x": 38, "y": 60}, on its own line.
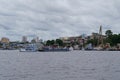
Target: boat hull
{"x": 55, "y": 50}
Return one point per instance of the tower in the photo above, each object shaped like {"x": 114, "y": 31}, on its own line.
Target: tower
{"x": 24, "y": 39}
{"x": 100, "y": 37}
{"x": 37, "y": 39}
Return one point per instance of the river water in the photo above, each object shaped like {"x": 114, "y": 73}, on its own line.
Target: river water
{"x": 74, "y": 65}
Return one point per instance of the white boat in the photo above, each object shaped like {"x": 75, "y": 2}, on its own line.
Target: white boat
{"x": 29, "y": 48}
{"x": 71, "y": 49}
{"x": 22, "y": 50}
{"x": 83, "y": 49}
{"x": 98, "y": 48}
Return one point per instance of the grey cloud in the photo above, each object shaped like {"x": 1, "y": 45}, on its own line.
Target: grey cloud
{"x": 58, "y": 18}
{"x": 6, "y": 14}
{"x": 4, "y": 27}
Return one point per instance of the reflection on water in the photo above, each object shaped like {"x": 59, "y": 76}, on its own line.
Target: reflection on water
{"x": 75, "y": 65}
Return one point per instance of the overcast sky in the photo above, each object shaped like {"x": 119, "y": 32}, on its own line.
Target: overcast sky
{"x": 51, "y": 19}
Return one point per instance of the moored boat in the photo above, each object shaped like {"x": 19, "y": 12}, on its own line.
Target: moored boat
{"x": 55, "y": 49}
{"x": 29, "y": 48}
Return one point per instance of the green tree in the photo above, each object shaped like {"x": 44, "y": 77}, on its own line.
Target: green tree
{"x": 48, "y": 42}
{"x": 59, "y": 42}
{"x": 93, "y": 41}
{"x": 108, "y": 33}
{"x": 113, "y": 39}
{"x": 52, "y": 42}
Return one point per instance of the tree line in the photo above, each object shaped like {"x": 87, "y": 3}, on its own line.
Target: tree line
{"x": 113, "y": 39}
{"x": 53, "y": 42}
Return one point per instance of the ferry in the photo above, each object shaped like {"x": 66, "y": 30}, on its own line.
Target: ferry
{"x": 29, "y": 48}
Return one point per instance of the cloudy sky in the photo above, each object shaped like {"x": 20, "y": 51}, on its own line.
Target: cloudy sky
{"x": 51, "y": 19}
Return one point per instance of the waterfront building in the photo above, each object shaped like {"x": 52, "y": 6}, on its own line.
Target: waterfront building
{"x": 74, "y": 41}
{"x": 94, "y": 36}
{"x": 5, "y": 40}
{"x": 36, "y": 40}
{"x": 65, "y": 40}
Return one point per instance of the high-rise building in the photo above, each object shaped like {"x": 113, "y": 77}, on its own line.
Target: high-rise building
{"x": 37, "y": 39}
{"x": 24, "y": 39}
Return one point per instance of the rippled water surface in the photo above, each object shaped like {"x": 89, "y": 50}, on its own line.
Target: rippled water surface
{"x": 74, "y": 65}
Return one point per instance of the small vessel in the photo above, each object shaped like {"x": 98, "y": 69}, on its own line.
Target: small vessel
{"x": 98, "y": 48}
{"x": 83, "y": 49}
{"x": 55, "y": 49}
{"x": 71, "y": 48}
{"x": 29, "y": 48}
{"x": 22, "y": 49}
{"x": 89, "y": 47}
